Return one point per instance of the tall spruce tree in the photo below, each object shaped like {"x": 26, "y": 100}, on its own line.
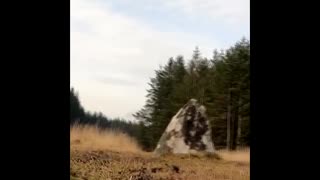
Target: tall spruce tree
{"x": 77, "y": 112}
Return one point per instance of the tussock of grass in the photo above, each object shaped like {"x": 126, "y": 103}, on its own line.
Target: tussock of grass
{"x": 85, "y": 138}
{"x": 213, "y": 156}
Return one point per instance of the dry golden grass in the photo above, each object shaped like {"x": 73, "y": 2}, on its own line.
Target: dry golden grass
{"x": 117, "y": 166}
{"x": 86, "y": 138}
{"x": 114, "y": 156}
{"x": 242, "y": 155}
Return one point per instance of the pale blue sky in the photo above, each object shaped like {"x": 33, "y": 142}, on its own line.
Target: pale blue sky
{"x": 157, "y": 15}
{"x": 116, "y": 45}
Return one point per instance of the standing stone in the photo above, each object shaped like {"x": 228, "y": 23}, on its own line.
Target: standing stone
{"x": 188, "y": 132}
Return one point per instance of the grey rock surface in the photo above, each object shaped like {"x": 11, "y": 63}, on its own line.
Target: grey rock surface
{"x": 188, "y": 132}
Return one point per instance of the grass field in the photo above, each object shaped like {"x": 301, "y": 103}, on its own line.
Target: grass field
{"x": 111, "y": 155}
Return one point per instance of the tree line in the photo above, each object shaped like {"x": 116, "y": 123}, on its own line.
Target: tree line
{"x": 221, "y": 83}
{"x": 78, "y": 115}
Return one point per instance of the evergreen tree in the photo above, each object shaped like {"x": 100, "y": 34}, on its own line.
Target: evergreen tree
{"x": 76, "y": 110}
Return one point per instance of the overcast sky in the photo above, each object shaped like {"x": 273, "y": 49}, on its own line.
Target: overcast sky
{"x": 117, "y": 44}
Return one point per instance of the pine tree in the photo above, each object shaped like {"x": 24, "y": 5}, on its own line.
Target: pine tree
{"x": 237, "y": 74}
{"x": 164, "y": 99}
{"x": 76, "y": 110}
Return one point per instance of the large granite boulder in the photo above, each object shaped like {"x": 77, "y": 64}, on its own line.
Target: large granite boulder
{"x": 188, "y": 132}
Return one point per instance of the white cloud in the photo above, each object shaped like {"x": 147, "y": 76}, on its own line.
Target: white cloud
{"x": 113, "y": 55}
{"x": 230, "y": 11}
